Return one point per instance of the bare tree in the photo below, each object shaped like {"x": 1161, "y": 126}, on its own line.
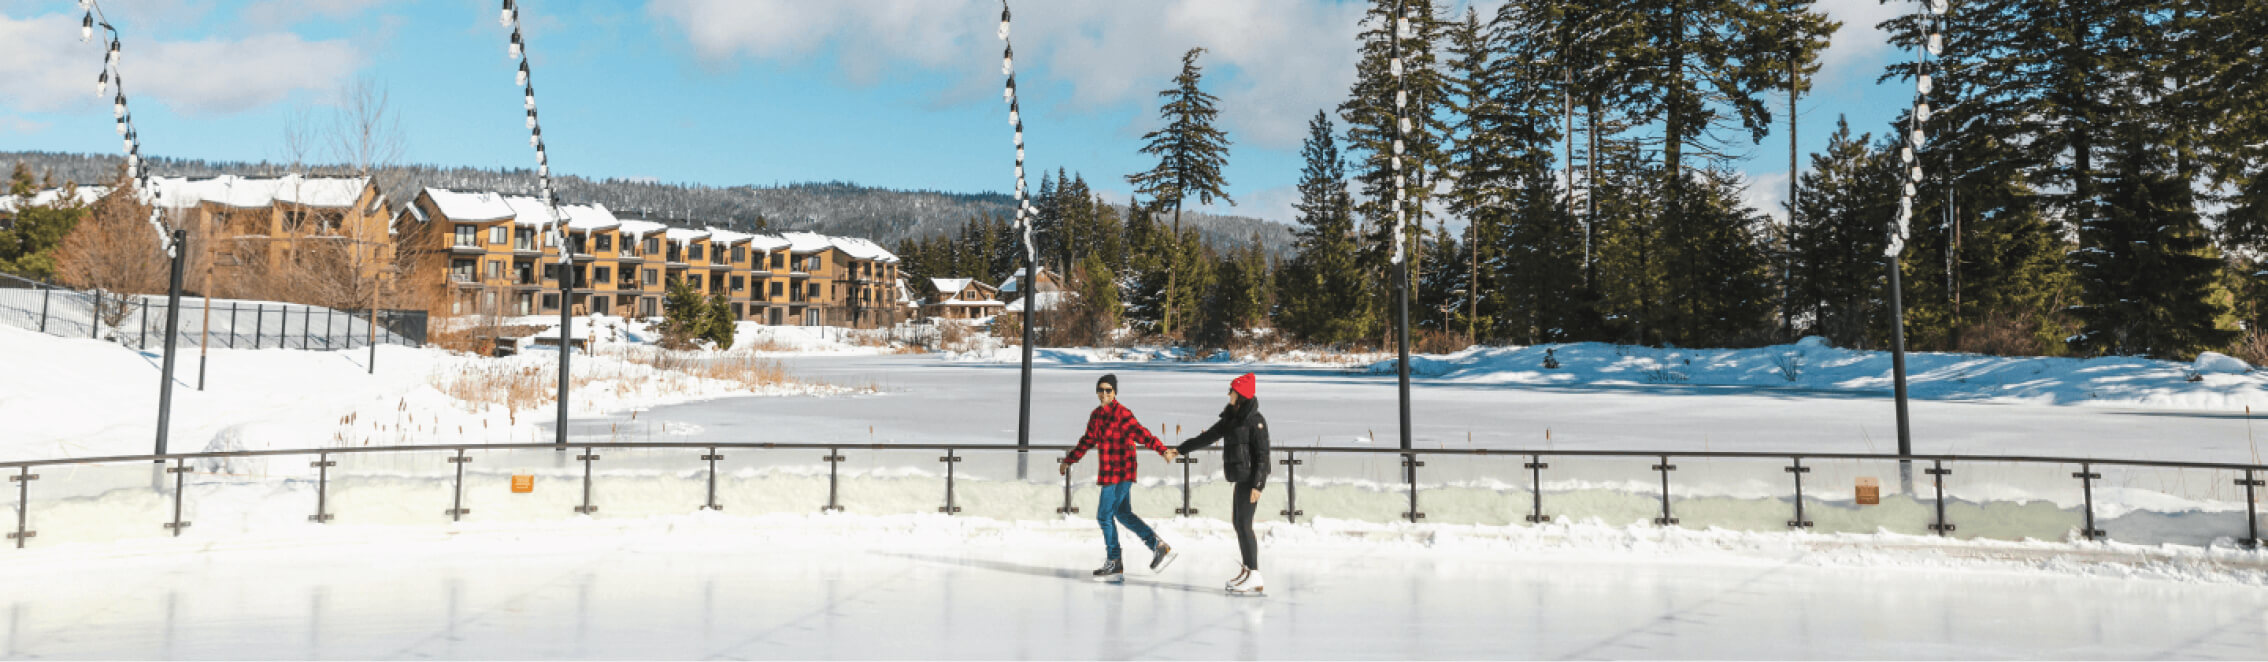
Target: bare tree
{"x": 114, "y": 251}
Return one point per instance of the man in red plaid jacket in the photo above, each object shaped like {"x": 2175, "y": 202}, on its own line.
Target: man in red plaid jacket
{"x": 1113, "y": 432}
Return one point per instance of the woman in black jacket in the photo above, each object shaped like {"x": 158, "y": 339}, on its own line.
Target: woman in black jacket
{"x": 1243, "y": 434}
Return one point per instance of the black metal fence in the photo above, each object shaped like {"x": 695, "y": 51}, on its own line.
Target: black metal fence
{"x": 138, "y": 321}
{"x": 2009, "y": 498}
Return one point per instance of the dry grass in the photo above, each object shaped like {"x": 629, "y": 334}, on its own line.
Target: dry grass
{"x": 763, "y": 344}
{"x": 522, "y": 386}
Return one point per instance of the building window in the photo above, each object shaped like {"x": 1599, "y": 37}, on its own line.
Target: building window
{"x": 523, "y": 239}
{"x": 466, "y": 235}
{"x": 646, "y": 307}
{"x": 814, "y": 291}
{"x": 696, "y": 252}
{"x": 604, "y": 274}
{"x": 462, "y": 270}
{"x": 739, "y": 253}
{"x": 551, "y": 272}
{"x": 738, "y": 284}
{"x": 551, "y": 302}
{"x": 498, "y": 235}
{"x": 495, "y": 269}
{"x": 653, "y": 245}
{"x": 775, "y": 290}
{"x": 488, "y": 303}
{"x": 779, "y": 261}
{"x": 649, "y": 277}
{"x": 606, "y": 242}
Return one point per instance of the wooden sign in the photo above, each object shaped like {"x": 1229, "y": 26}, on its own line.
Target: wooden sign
{"x": 523, "y": 483}
{"x": 1869, "y": 492}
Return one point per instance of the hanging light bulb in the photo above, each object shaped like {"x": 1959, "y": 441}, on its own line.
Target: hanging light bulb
{"x": 1918, "y": 137}
{"x": 86, "y": 28}
{"x": 1396, "y": 66}
{"x": 1921, "y": 111}
{"x": 1936, "y": 43}
{"x": 522, "y": 78}
{"x": 1012, "y": 121}
{"x": 1397, "y": 161}
{"x": 128, "y": 143}
{"x": 1008, "y": 61}
{"x": 118, "y": 106}
{"x": 1924, "y": 84}
{"x": 1397, "y": 146}
{"x": 1906, "y": 155}
{"x": 531, "y": 118}
{"x": 1019, "y": 154}
{"x": 1909, "y": 190}
{"x": 1939, "y": 6}
{"x": 1915, "y": 173}
{"x": 1019, "y": 138}
{"x": 102, "y": 83}
{"x": 536, "y": 138}
{"x": 531, "y": 97}
{"x": 1401, "y": 98}
{"x": 513, "y": 52}
{"x": 1405, "y": 125}
{"x": 506, "y": 17}
{"x": 113, "y": 56}
{"x": 122, "y": 127}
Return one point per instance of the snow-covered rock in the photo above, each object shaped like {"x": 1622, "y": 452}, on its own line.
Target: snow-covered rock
{"x": 2216, "y": 363}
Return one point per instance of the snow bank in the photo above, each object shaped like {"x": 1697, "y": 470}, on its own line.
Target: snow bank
{"x": 2222, "y": 383}
{"x": 66, "y": 397}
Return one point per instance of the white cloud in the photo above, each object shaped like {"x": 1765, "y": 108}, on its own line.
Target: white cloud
{"x": 48, "y": 69}
{"x": 1272, "y": 62}
{"x": 1767, "y": 193}
{"x": 1856, "y": 53}
{"x": 286, "y": 12}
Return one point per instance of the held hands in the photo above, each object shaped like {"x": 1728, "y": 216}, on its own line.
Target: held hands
{"x": 1171, "y": 455}
{"x": 1062, "y": 467}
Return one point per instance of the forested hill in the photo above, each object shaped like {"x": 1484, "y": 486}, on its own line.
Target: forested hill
{"x": 885, "y": 215}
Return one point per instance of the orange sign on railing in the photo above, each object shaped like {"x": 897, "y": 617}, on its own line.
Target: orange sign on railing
{"x": 523, "y": 483}
{"x": 1869, "y": 492}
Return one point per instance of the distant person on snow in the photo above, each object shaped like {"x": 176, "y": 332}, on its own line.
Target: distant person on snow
{"x": 1112, "y": 430}
{"x": 1243, "y": 434}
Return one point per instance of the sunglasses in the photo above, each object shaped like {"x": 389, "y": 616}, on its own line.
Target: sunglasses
{"x": 1106, "y": 390}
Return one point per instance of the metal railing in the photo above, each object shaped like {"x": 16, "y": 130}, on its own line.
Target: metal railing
{"x": 138, "y": 321}
{"x": 1999, "y": 497}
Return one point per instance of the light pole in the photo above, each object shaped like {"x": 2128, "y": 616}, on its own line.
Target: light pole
{"x": 1024, "y": 227}
{"x": 1933, "y": 44}
{"x": 1401, "y": 27}
{"x": 510, "y": 17}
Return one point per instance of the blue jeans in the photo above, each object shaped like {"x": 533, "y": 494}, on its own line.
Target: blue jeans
{"x": 1112, "y": 510}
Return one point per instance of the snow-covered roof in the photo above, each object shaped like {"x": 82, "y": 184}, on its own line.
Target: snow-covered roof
{"x": 1014, "y": 280}
{"x": 807, "y": 242}
{"x": 530, "y": 211}
{"x": 684, "y": 235}
{"x": 234, "y": 191}
{"x": 639, "y": 229}
{"x": 1047, "y": 301}
{"x": 905, "y": 294}
{"x": 728, "y": 237}
{"x": 470, "y": 206}
{"x": 86, "y": 196}
{"x": 949, "y": 287}
{"x": 768, "y": 242}
{"x": 864, "y": 249}
{"x": 586, "y": 218}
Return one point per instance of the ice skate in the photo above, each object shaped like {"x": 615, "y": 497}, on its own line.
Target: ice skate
{"x": 1251, "y": 584}
{"x": 1241, "y": 573}
{"x": 1163, "y": 557}
{"x": 1111, "y": 570}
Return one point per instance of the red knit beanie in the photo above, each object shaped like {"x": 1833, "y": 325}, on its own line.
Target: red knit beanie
{"x": 1245, "y": 385}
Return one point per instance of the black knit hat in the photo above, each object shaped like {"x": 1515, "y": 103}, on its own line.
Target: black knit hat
{"x": 1110, "y": 379}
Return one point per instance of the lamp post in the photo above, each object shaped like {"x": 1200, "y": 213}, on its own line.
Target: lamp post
{"x": 1401, "y": 26}
{"x": 1024, "y": 227}
{"x": 510, "y": 18}
{"x": 1933, "y": 45}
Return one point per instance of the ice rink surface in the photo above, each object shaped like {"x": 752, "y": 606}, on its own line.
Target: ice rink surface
{"x": 717, "y": 587}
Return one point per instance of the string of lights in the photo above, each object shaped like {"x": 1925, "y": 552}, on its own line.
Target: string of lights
{"x": 111, "y": 81}
{"x": 517, "y": 50}
{"x": 1024, "y": 210}
{"x": 1401, "y": 129}
{"x": 1916, "y": 134}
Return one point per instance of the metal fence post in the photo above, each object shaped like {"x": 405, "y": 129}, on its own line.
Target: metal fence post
{"x": 1184, "y": 510}
{"x": 1069, "y": 509}
{"x": 322, "y": 464}
{"x": 950, "y": 459}
{"x": 1664, "y": 468}
{"x": 94, "y": 324}
{"x": 1535, "y": 467}
{"x": 2087, "y": 478}
{"x": 306, "y": 327}
{"x": 180, "y": 471}
{"x": 259, "y": 323}
{"x": 330, "y": 316}
{"x": 1937, "y": 473}
{"x": 45, "y": 293}
{"x": 232, "y": 325}
{"x": 457, "y": 509}
{"x": 144, "y": 343}
{"x": 712, "y": 458}
{"x": 834, "y": 464}
{"x": 1410, "y": 465}
{"x": 1798, "y": 470}
{"x": 23, "y": 479}
{"x": 2251, "y": 510}
{"x": 589, "y": 455}
{"x": 1291, "y": 464}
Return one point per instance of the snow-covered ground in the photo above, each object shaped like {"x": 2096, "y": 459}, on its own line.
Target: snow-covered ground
{"x": 68, "y": 397}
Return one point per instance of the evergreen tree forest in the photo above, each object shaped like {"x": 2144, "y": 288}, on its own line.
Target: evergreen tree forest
{"x": 2092, "y": 184}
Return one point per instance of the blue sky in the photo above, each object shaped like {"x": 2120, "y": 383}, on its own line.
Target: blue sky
{"x": 896, "y": 93}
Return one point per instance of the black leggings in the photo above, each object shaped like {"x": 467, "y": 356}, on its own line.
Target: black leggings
{"x": 1242, "y": 518}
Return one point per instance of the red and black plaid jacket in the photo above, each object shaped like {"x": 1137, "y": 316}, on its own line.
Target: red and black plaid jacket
{"x": 1113, "y": 430}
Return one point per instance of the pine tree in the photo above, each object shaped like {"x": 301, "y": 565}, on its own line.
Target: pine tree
{"x": 1838, "y": 285}
{"x": 1191, "y": 154}
{"x": 1370, "y": 115}
{"x": 27, "y": 248}
{"x": 1325, "y": 294}
{"x": 685, "y": 316}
